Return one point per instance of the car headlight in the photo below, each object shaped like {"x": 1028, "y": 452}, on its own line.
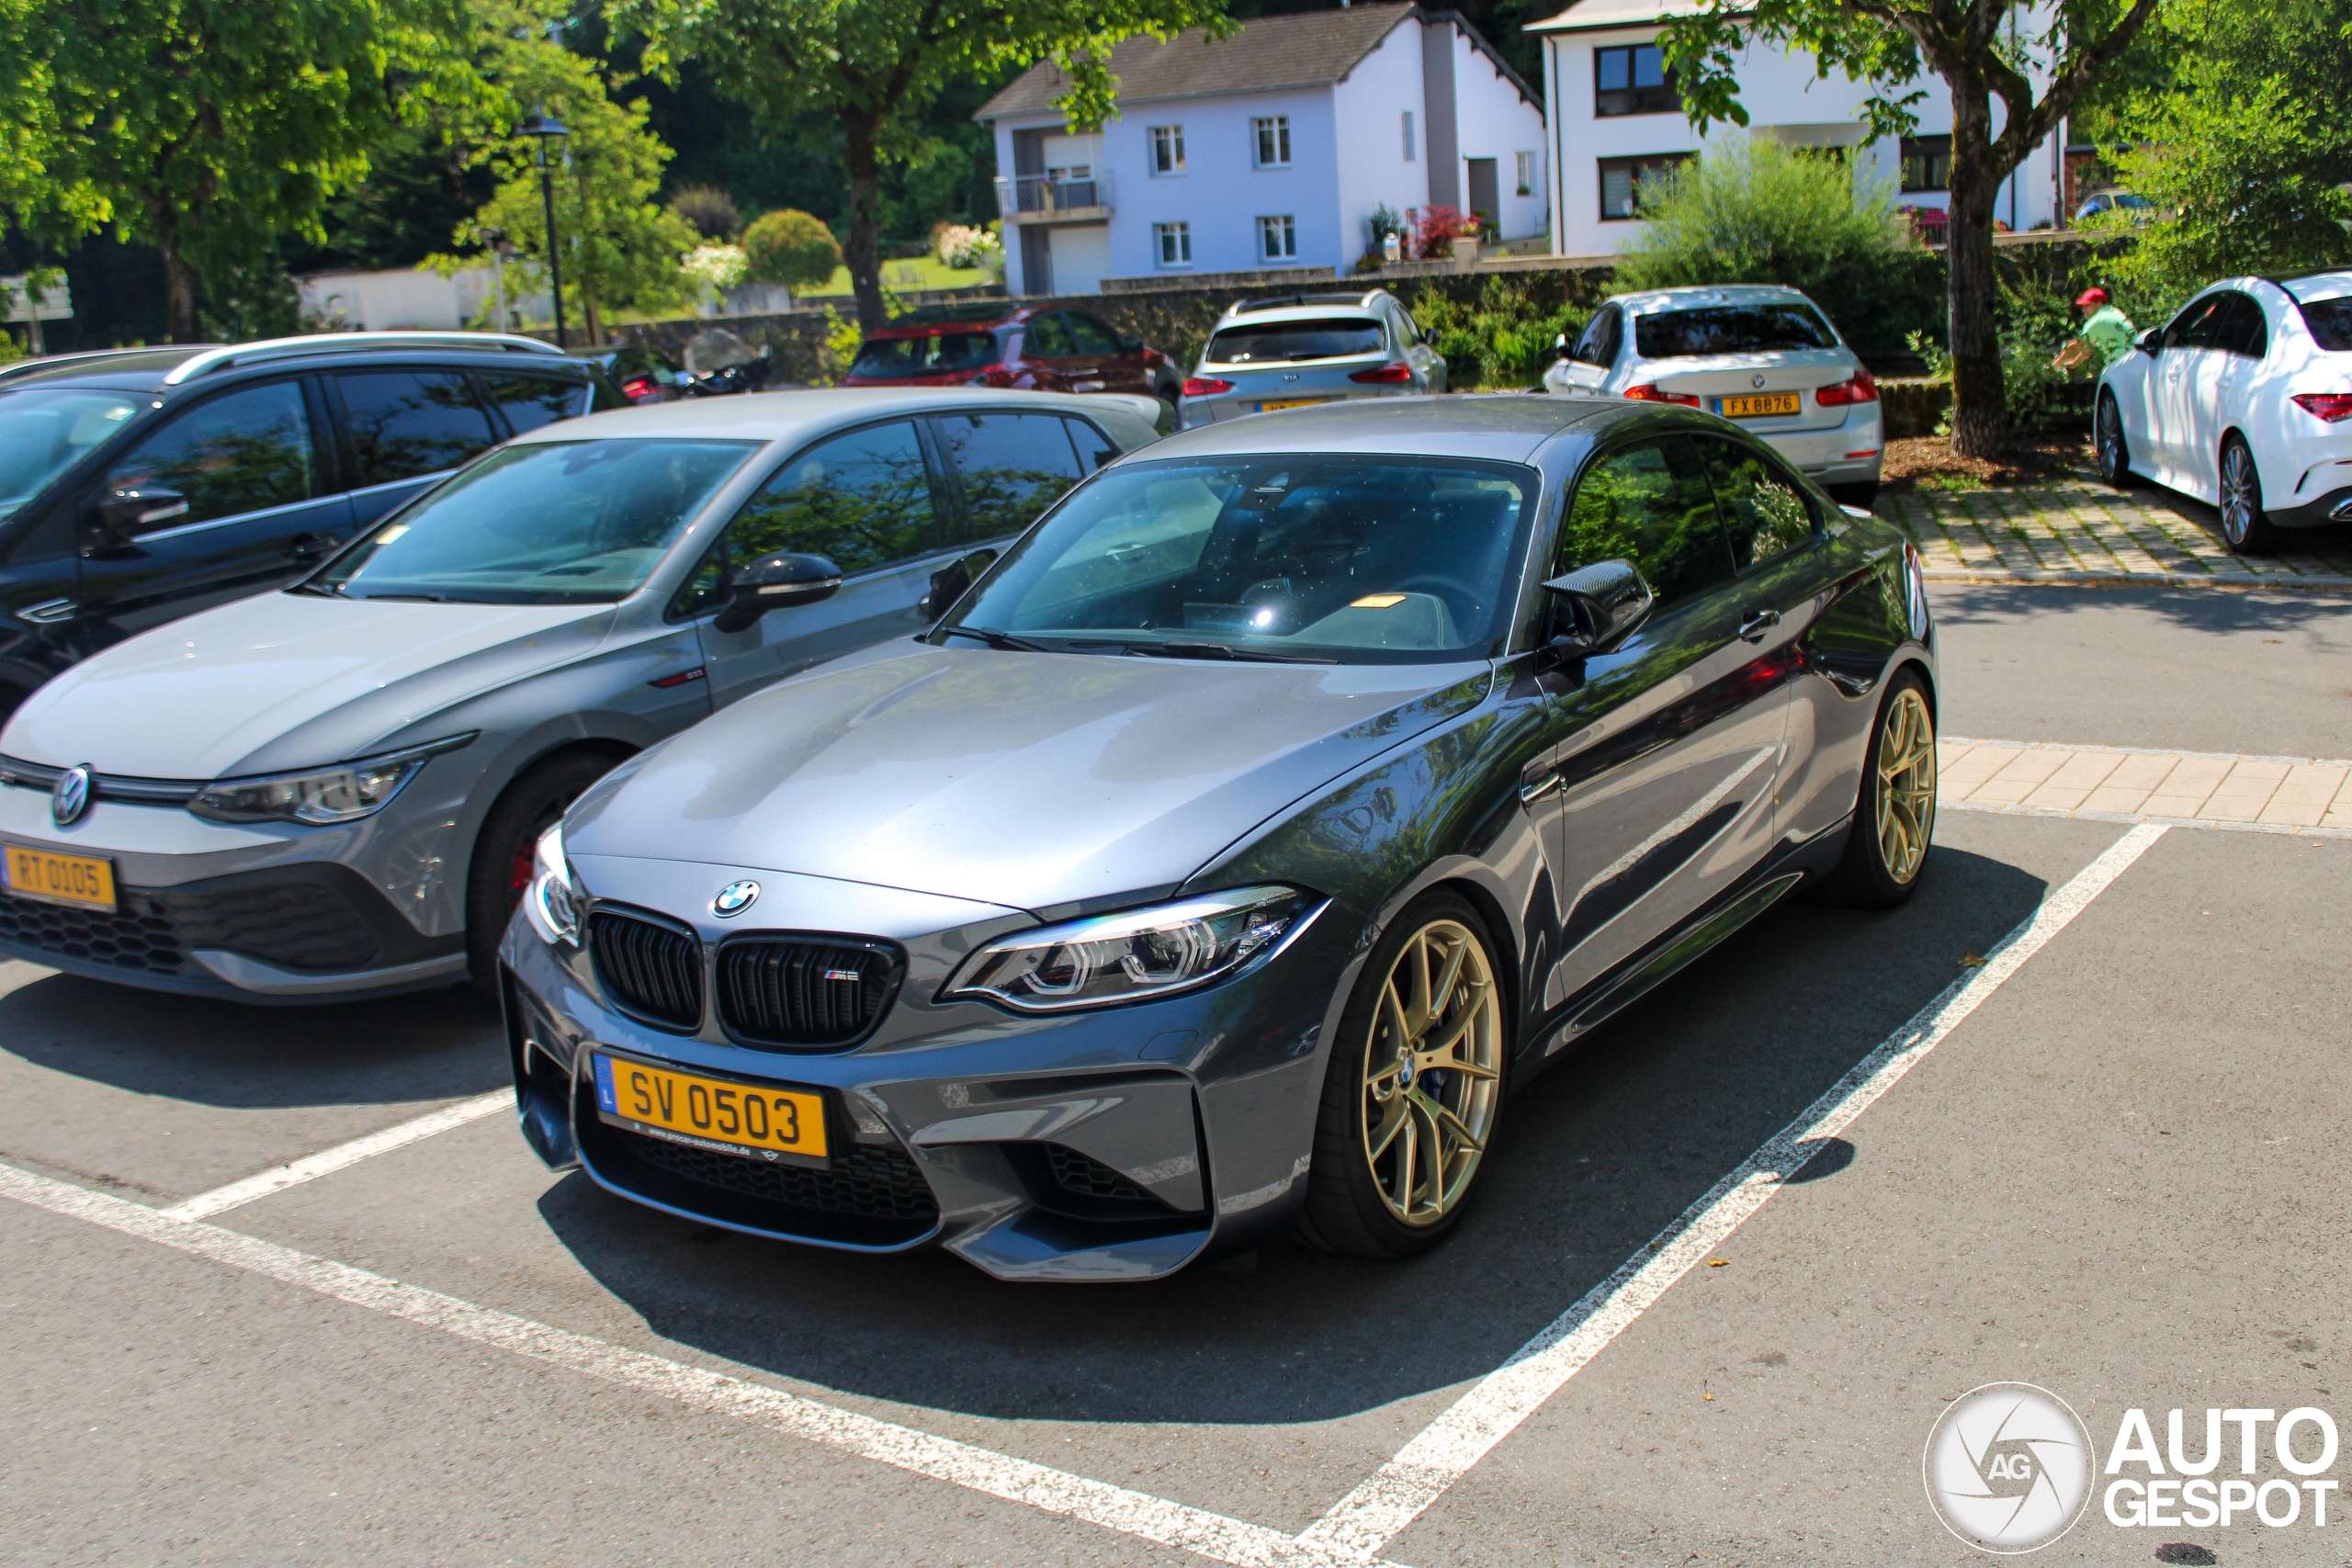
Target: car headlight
{"x": 344, "y": 793}
{"x": 1136, "y": 954}
{"x": 550, "y": 903}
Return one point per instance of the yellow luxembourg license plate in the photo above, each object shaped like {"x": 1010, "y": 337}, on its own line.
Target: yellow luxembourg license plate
{"x": 1761, "y": 404}
{"x": 714, "y": 1113}
{"x": 61, "y": 879}
{"x": 1273, "y": 404}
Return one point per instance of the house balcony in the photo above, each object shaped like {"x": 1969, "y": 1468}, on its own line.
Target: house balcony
{"x": 1053, "y": 198}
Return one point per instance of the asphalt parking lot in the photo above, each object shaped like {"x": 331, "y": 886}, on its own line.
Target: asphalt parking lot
{"x": 2116, "y": 1175}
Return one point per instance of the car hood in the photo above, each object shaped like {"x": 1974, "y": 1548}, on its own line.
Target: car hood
{"x": 1038, "y": 780}
{"x": 286, "y": 680}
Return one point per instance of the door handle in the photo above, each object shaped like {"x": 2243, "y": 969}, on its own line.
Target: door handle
{"x": 1529, "y": 794}
{"x": 1758, "y": 622}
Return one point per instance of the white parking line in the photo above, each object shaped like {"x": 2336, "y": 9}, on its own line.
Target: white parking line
{"x": 326, "y": 1162}
{"x": 1351, "y": 1535}
{"x": 1374, "y": 1512}
{"x": 944, "y": 1458}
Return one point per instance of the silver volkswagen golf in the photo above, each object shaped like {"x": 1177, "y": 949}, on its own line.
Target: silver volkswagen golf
{"x": 334, "y": 791}
{"x": 1288, "y": 795}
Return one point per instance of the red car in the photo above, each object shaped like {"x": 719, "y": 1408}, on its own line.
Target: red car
{"x": 1044, "y": 348}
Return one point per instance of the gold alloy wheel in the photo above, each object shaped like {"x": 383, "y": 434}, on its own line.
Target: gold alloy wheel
{"x": 1433, "y": 1067}
{"x": 1906, "y": 785}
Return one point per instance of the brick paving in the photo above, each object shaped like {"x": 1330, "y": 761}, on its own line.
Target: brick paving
{"x": 2282, "y": 792}
{"x": 2076, "y": 528}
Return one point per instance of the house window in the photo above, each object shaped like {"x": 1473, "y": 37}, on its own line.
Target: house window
{"x": 1167, "y": 149}
{"x": 1274, "y": 141}
{"x": 1408, "y": 136}
{"x": 1632, "y": 79}
{"x": 1926, "y": 163}
{"x": 1277, "y": 239}
{"x": 1174, "y": 243}
{"x": 1526, "y": 163}
{"x": 1622, "y": 181}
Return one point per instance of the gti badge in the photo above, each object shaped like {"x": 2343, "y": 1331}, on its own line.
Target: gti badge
{"x": 734, "y": 898}
{"x": 1756, "y": 381}
{"x": 70, "y": 796}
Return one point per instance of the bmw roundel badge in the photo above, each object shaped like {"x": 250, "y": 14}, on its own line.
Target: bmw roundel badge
{"x": 734, "y": 898}
{"x": 69, "y": 797}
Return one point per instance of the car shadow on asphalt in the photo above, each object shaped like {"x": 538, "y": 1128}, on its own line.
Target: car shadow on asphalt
{"x": 1596, "y": 1156}
{"x": 430, "y": 1045}
{"x": 2284, "y": 609}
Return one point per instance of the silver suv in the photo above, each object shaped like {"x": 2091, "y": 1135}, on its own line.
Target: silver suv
{"x": 1309, "y": 348}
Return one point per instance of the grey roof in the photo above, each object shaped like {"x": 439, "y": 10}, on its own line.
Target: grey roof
{"x": 1302, "y": 48}
{"x": 1595, "y": 16}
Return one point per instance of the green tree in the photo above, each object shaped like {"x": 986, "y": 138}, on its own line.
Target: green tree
{"x": 207, "y": 128}
{"x": 621, "y": 248}
{"x": 791, "y": 250}
{"x": 2247, "y": 153}
{"x": 1976, "y": 47}
{"x": 874, "y": 65}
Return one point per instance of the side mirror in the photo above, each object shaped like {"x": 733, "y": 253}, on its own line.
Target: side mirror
{"x": 952, "y": 581}
{"x": 1602, "y": 604}
{"x": 125, "y": 513}
{"x": 773, "y": 581}
{"x": 2148, "y": 342}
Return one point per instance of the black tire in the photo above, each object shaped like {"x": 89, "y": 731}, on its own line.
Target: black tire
{"x": 1347, "y": 1211}
{"x": 2246, "y": 526}
{"x": 2113, "y": 451}
{"x": 502, "y": 860}
{"x": 1864, "y": 878}
{"x": 1863, "y": 494}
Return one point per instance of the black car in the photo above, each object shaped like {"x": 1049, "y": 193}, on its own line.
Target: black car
{"x": 140, "y": 485}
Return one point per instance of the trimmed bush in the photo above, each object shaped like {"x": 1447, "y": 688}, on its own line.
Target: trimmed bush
{"x": 791, "y": 249}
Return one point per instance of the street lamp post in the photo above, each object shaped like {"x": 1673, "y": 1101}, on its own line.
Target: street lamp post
{"x": 541, "y": 129}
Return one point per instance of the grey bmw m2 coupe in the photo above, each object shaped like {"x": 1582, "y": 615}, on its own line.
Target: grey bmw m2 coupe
{"x": 1291, "y": 792}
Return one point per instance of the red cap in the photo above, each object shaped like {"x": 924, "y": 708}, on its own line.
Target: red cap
{"x": 2092, "y": 296}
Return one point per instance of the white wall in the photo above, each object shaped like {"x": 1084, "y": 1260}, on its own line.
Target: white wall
{"x": 1368, "y": 110}
{"x": 384, "y": 301}
{"x": 1493, "y": 121}
{"x": 1784, "y": 96}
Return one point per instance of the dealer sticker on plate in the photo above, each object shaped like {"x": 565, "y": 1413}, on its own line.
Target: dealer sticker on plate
{"x": 719, "y": 1114}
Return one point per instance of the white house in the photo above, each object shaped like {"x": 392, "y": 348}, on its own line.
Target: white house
{"x": 1269, "y": 149}
{"x": 1616, "y": 120}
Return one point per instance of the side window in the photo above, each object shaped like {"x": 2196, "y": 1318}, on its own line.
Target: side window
{"x": 1049, "y": 337}
{"x": 406, "y": 423}
{"x": 2195, "y": 325}
{"x": 1094, "y": 449}
{"x": 861, "y": 500}
{"x": 1012, "y": 466}
{"x": 248, "y": 450}
{"x": 1764, "y": 511}
{"x": 1089, "y": 335}
{"x": 530, "y": 402}
{"x": 1599, "y": 343}
{"x": 2244, "y": 330}
{"x": 1651, "y": 504}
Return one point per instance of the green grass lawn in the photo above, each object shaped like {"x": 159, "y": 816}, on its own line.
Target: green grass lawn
{"x": 922, "y": 272}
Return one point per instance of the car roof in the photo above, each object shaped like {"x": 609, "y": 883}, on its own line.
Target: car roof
{"x": 192, "y": 364}
{"x": 778, "y": 416}
{"x": 1301, "y": 308}
{"x": 1504, "y": 427}
{"x": 956, "y": 316}
{"x": 2319, "y": 285}
{"x": 1651, "y": 300}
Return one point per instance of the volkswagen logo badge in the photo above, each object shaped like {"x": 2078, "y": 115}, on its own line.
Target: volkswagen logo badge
{"x": 734, "y": 898}
{"x": 1756, "y": 380}
{"x": 70, "y": 796}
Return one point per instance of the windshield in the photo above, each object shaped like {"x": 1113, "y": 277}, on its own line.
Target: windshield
{"x": 44, "y": 430}
{"x": 1356, "y": 560}
{"x": 1730, "y": 329}
{"x": 553, "y": 522}
{"x": 1333, "y": 337}
{"x": 2329, "y": 320}
{"x": 937, "y": 354}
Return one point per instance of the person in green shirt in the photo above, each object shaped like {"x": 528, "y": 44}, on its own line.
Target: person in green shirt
{"x": 2107, "y": 332}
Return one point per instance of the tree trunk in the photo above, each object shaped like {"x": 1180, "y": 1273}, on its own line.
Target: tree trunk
{"x": 863, "y": 254}
{"x": 1980, "y": 417}
{"x": 593, "y": 317}
{"x": 180, "y": 284}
